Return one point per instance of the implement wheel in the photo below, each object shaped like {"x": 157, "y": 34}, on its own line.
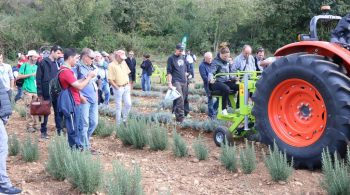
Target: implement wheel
{"x": 302, "y": 102}
{"x": 221, "y": 135}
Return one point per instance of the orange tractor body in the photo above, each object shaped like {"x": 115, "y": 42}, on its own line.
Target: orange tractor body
{"x": 331, "y": 50}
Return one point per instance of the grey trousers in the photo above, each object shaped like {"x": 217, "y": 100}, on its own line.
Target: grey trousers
{"x": 179, "y": 104}
{"x": 4, "y": 179}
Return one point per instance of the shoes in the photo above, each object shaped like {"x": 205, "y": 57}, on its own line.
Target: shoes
{"x": 10, "y": 190}
{"x": 212, "y": 118}
{"x": 224, "y": 112}
{"x": 180, "y": 120}
{"x": 93, "y": 152}
{"x": 188, "y": 116}
{"x": 44, "y": 136}
{"x": 31, "y": 130}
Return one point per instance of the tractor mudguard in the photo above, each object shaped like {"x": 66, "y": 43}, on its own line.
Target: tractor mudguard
{"x": 327, "y": 49}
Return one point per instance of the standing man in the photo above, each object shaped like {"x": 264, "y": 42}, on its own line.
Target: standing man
{"x": 259, "y": 57}
{"x": 48, "y": 70}
{"x": 5, "y": 111}
{"x": 28, "y": 73}
{"x": 190, "y": 59}
{"x": 205, "y": 68}
{"x": 68, "y": 80}
{"x": 6, "y": 76}
{"x": 131, "y": 62}
{"x": 118, "y": 76}
{"x": 21, "y": 59}
{"x": 177, "y": 77}
{"x": 146, "y": 67}
{"x": 102, "y": 74}
{"x": 88, "y": 96}
{"x": 245, "y": 61}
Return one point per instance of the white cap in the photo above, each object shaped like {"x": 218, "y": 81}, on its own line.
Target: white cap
{"x": 32, "y": 53}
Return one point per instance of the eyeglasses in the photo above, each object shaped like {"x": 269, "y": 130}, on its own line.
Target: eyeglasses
{"x": 92, "y": 58}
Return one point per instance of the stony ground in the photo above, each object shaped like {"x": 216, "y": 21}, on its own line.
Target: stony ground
{"x": 161, "y": 171}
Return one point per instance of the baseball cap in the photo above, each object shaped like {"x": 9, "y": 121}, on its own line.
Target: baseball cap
{"x": 32, "y": 53}
{"x": 179, "y": 46}
{"x": 121, "y": 54}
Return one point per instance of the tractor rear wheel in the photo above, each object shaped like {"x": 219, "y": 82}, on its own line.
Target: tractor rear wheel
{"x": 302, "y": 103}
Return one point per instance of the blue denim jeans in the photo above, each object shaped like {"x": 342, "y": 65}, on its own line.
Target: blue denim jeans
{"x": 106, "y": 91}
{"x": 88, "y": 122}
{"x": 4, "y": 179}
{"x": 58, "y": 119}
{"x": 212, "y": 106}
{"x": 19, "y": 93}
{"x": 146, "y": 82}
{"x": 72, "y": 123}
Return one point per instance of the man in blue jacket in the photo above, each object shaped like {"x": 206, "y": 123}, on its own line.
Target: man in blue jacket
{"x": 204, "y": 69}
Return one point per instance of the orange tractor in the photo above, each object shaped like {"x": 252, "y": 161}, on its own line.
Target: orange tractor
{"x": 302, "y": 100}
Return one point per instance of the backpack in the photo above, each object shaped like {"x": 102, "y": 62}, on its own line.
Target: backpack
{"x": 152, "y": 68}
{"x": 55, "y": 87}
{"x": 5, "y": 102}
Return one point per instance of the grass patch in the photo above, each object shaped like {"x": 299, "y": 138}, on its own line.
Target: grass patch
{"x": 277, "y": 164}
{"x": 103, "y": 129}
{"x": 202, "y": 108}
{"x": 200, "y": 148}
{"x": 165, "y": 105}
{"x": 133, "y": 133}
{"x": 123, "y": 133}
{"x": 83, "y": 171}
{"x": 146, "y": 93}
{"x": 205, "y": 126}
{"x": 228, "y": 157}
{"x": 30, "y": 150}
{"x": 179, "y": 145}
{"x": 123, "y": 181}
{"x": 248, "y": 158}
{"x": 336, "y": 175}
{"x": 14, "y": 146}
{"x": 198, "y": 86}
{"x": 58, "y": 152}
{"x": 158, "y": 138}
{"x": 21, "y": 110}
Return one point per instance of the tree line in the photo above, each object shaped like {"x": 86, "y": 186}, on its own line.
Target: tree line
{"x": 155, "y": 26}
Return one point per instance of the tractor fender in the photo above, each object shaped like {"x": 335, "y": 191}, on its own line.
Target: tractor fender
{"x": 334, "y": 51}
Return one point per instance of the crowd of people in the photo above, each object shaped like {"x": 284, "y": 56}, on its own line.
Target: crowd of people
{"x": 89, "y": 78}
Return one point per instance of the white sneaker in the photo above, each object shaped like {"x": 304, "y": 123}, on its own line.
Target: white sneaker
{"x": 224, "y": 112}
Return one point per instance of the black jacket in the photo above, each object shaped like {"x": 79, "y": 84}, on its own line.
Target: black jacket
{"x": 45, "y": 73}
{"x": 341, "y": 33}
{"x": 147, "y": 67}
{"x": 132, "y": 64}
